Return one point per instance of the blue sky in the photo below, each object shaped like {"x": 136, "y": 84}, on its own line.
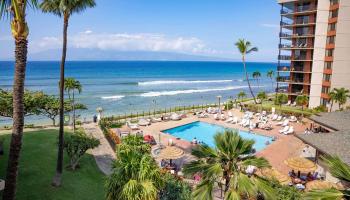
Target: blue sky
{"x": 199, "y": 27}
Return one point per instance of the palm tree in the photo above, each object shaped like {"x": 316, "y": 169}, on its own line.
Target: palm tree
{"x": 66, "y": 9}
{"x": 257, "y": 75}
{"x": 70, "y": 85}
{"x": 302, "y": 100}
{"x": 135, "y": 174}
{"x": 270, "y": 74}
{"x": 244, "y": 47}
{"x": 225, "y": 166}
{"x": 241, "y": 95}
{"x": 338, "y": 169}
{"x": 281, "y": 99}
{"x": 262, "y": 96}
{"x": 16, "y": 9}
{"x": 332, "y": 98}
{"x": 341, "y": 95}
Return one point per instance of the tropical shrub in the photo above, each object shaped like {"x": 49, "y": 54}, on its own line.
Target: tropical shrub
{"x": 135, "y": 173}
{"x": 76, "y": 145}
{"x": 174, "y": 189}
{"x": 225, "y": 166}
{"x": 229, "y": 105}
{"x": 285, "y": 192}
{"x": 281, "y": 99}
{"x": 320, "y": 108}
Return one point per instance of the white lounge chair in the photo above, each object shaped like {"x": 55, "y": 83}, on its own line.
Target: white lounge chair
{"x": 143, "y": 122}
{"x": 243, "y": 121}
{"x": 288, "y": 103}
{"x": 246, "y": 124}
{"x": 229, "y": 120}
{"x": 294, "y": 103}
{"x": 293, "y": 119}
{"x": 175, "y": 117}
{"x": 132, "y": 126}
{"x": 222, "y": 117}
{"x": 284, "y": 123}
{"x": 289, "y": 131}
{"x": 286, "y": 128}
{"x": 235, "y": 120}
{"x": 230, "y": 114}
{"x": 274, "y": 117}
{"x": 279, "y": 118}
{"x": 216, "y": 116}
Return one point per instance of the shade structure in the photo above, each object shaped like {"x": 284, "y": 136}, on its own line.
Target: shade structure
{"x": 301, "y": 164}
{"x": 272, "y": 173}
{"x": 171, "y": 153}
{"x": 319, "y": 185}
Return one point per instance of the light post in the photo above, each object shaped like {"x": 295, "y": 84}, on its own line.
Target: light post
{"x": 219, "y": 98}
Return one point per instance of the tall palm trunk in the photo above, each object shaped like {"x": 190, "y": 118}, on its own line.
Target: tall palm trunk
{"x": 73, "y": 107}
{"x": 57, "y": 178}
{"x": 18, "y": 118}
{"x": 247, "y": 78}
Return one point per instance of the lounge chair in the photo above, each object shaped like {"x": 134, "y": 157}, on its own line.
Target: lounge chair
{"x": 289, "y": 131}
{"x": 216, "y": 117}
{"x": 246, "y": 124}
{"x": 154, "y": 120}
{"x": 144, "y": 122}
{"x": 132, "y": 126}
{"x": 284, "y": 123}
{"x": 293, "y": 119}
{"x": 268, "y": 126}
{"x": 264, "y": 113}
{"x": 222, "y": 117}
{"x": 286, "y": 128}
{"x": 288, "y": 104}
{"x": 230, "y": 114}
{"x": 294, "y": 103}
{"x": 274, "y": 117}
{"x": 203, "y": 115}
{"x": 229, "y": 120}
{"x": 243, "y": 121}
{"x": 235, "y": 120}
{"x": 279, "y": 118}
{"x": 175, "y": 117}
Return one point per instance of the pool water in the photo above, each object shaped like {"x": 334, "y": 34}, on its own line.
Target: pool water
{"x": 204, "y": 132}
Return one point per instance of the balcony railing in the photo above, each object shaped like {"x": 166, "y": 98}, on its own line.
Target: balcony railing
{"x": 302, "y": 57}
{"x": 297, "y": 80}
{"x": 283, "y": 68}
{"x": 283, "y": 89}
{"x": 284, "y": 57}
{"x": 297, "y": 46}
{"x": 283, "y": 78}
{"x": 298, "y": 9}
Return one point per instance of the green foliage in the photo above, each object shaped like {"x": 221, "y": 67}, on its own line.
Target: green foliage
{"x": 63, "y": 8}
{"x": 106, "y": 123}
{"x": 320, "y": 108}
{"x": 134, "y": 143}
{"x": 226, "y": 163}
{"x": 76, "y": 145}
{"x": 302, "y": 100}
{"x": 285, "y": 192}
{"x": 174, "y": 189}
{"x": 31, "y": 102}
{"x": 229, "y": 105}
{"x": 281, "y": 99}
{"x": 241, "y": 95}
{"x": 262, "y": 96}
{"x": 135, "y": 173}
{"x": 341, "y": 96}
{"x": 287, "y": 110}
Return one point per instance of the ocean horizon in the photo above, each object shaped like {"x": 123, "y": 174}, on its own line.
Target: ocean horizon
{"x": 121, "y": 87}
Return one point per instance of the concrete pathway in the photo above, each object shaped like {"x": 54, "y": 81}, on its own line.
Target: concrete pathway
{"x": 104, "y": 154}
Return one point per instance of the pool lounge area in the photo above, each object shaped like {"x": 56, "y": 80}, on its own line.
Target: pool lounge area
{"x": 204, "y": 132}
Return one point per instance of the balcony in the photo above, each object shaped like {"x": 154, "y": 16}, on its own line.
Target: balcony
{"x": 297, "y": 46}
{"x": 284, "y": 57}
{"x": 301, "y": 58}
{"x": 326, "y": 83}
{"x": 283, "y": 68}
{"x": 283, "y": 79}
{"x": 297, "y": 23}
{"x": 295, "y": 35}
{"x": 298, "y": 10}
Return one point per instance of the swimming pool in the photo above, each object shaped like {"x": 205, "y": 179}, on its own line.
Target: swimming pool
{"x": 204, "y": 132}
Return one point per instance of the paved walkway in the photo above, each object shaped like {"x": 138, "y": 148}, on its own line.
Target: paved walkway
{"x": 104, "y": 154}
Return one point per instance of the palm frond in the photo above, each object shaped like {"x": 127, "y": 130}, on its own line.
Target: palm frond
{"x": 204, "y": 190}
{"x": 232, "y": 195}
{"x": 338, "y": 168}
{"x": 264, "y": 188}
{"x": 328, "y": 194}
{"x": 63, "y": 7}
{"x": 258, "y": 162}
{"x": 254, "y": 49}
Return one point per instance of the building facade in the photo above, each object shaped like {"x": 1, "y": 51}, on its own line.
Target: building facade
{"x": 314, "y": 49}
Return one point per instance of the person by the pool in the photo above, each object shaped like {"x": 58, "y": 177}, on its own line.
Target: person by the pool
{"x": 194, "y": 141}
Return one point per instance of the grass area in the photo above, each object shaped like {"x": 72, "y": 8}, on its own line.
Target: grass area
{"x": 267, "y": 105}
{"x": 37, "y": 167}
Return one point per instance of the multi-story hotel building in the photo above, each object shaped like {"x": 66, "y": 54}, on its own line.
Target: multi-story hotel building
{"x": 314, "y": 49}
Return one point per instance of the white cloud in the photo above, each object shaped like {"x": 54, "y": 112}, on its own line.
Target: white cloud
{"x": 270, "y": 25}
{"x": 127, "y": 42}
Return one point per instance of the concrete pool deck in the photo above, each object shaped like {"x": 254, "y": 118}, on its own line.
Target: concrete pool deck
{"x": 284, "y": 147}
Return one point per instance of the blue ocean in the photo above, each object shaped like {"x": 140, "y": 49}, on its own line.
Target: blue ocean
{"x": 134, "y": 86}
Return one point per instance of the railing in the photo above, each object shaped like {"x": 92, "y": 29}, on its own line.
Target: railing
{"x": 284, "y": 57}
{"x": 285, "y": 35}
{"x": 283, "y": 78}
{"x": 302, "y": 57}
{"x": 283, "y": 68}
{"x": 297, "y": 68}
{"x": 285, "y": 24}
{"x": 298, "y": 9}
{"x": 297, "y": 80}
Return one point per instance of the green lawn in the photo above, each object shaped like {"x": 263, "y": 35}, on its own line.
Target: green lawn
{"x": 37, "y": 167}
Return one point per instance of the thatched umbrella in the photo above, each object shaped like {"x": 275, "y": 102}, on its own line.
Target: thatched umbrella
{"x": 274, "y": 174}
{"x": 319, "y": 185}
{"x": 301, "y": 164}
{"x": 171, "y": 153}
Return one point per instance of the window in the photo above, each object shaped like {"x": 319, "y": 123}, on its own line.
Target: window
{"x": 331, "y": 39}
{"x": 325, "y": 90}
{"x": 333, "y": 2}
{"x": 324, "y": 102}
{"x": 329, "y": 52}
{"x": 327, "y": 77}
{"x": 332, "y": 27}
{"x": 333, "y": 13}
{"x": 328, "y": 65}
